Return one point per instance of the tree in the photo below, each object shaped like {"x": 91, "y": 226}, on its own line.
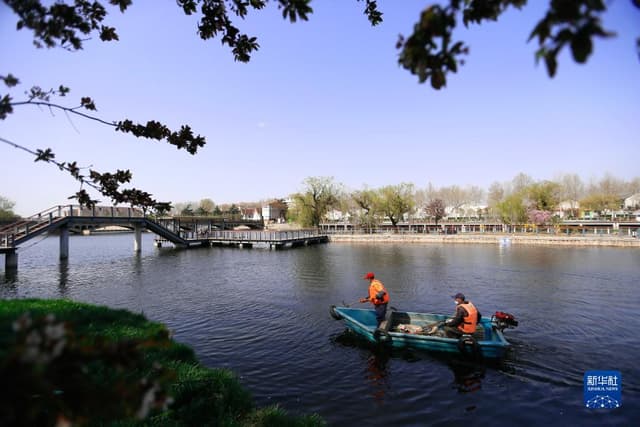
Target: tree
{"x": 453, "y": 196}
{"x": 319, "y": 195}
{"x": 431, "y": 53}
{"x": 633, "y": 186}
{"x": 609, "y": 186}
{"x": 395, "y": 201}
{"x": 206, "y": 206}
{"x": 538, "y": 217}
{"x": 187, "y": 211}
{"x": 163, "y": 208}
{"x": 435, "y": 209}
{"x": 366, "y": 200}
{"x": 6, "y": 209}
{"x": 234, "y": 210}
{"x": 512, "y": 210}
{"x": 494, "y": 196}
{"x": 571, "y": 190}
{"x": 543, "y": 196}
{"x": 475, "y": 195}
{"x": 520, "y": 182}
{"x": 69, "y": 24}
{"x": 600, "y": 202}
{"x": 346, "y": 205}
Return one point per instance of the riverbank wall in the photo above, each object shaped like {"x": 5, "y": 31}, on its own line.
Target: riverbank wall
{"x": 494, "y": 239}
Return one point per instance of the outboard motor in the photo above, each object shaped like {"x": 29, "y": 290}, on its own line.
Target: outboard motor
{"x": 502, "y": 320}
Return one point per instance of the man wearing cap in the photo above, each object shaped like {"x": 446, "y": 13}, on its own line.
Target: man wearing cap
{"x": 378, "y": 296}
{"x": 464, "y": 320}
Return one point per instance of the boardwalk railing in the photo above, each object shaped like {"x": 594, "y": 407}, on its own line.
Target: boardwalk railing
{"x": 259, "y": 236}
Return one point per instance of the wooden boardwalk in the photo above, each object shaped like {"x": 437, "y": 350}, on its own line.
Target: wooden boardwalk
{"x": 250, "y": 238}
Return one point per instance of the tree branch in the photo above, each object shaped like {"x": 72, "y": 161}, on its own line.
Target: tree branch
{"x": 66, "y": 109}
{"x": 107, "y": 184}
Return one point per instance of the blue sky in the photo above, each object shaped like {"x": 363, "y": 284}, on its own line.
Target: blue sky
{"x": 320, "y": 98}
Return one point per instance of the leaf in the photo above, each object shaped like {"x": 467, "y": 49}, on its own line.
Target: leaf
{"x": 541, "y": 30}
{"x": 438, "y": 80}
{"x": 108, "y": 34}
{"x": 10, "y": 80}
{"x": 88, "y": 103}
{"x": 581, "y": 47}
{"x": 551, "y": 63}
{"x": 123, "y": 4}
{"x": 44, "y": 155}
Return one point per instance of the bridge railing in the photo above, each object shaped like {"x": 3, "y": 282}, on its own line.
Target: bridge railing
{"x": 83, "y": 211}
{"x": 11, "y": 233}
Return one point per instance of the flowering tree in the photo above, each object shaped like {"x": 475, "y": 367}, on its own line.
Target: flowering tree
{"x": 538, "y": 217}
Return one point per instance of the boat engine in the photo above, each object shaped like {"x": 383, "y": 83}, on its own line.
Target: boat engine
{"x": 502, "y": 320}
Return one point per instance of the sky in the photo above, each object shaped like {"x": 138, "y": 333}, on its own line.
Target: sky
{"x": 320, "y": 98}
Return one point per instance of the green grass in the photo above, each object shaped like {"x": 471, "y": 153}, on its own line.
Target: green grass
{"x": 108, "y": 340}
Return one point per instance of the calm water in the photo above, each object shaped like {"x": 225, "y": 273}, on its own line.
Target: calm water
{"x": 264, "y": 314}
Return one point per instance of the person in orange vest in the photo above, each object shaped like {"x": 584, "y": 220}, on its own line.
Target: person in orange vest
{"x": 465, "y": 319}
{"x": 378, "y": 296}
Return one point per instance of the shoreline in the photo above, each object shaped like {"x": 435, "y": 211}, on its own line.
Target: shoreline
{"x": 494, "y": 239}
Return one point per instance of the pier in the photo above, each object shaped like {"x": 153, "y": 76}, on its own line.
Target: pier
{"x": 249, "y": 239}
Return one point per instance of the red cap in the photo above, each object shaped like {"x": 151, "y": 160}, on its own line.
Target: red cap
{"x": 369, "y": 275}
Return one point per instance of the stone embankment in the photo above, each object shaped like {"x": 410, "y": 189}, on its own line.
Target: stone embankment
{"x": 496, "y": 239}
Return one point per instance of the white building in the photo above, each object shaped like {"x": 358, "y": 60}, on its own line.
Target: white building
{"x": 567, "y": 208}
{"x": 466, "y": 211}
{"x": 335, "y": 215}
{"x": 274, "y": 212}
{"x": 632, "y": 202}
{"x": 251, "y": 214}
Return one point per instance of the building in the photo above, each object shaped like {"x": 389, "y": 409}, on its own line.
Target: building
{"x": 464, "y": 211}
{"x": 252, "y": 214}
{"x": 275, "y": 211}
{"x": 632, "y": 202}
{"x": 567, "y": 209}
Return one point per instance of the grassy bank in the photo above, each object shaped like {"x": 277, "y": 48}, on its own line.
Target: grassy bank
{"x": 90, "y": 365}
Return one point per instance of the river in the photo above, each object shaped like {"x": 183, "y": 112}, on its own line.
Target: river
{"x": 265, "y": 315}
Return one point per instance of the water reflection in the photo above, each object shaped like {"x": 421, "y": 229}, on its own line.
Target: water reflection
{"x": 63, "y": 277}
{"x": 467, "y": 374}
{"x": 10, "y": 282}
{"x": 377, "y": 374}
{"x": 467, "y": 377}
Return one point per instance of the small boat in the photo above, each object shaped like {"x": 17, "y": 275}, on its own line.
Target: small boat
{"x": 421, "y": 331}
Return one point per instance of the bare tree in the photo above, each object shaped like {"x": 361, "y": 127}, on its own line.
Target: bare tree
{"x": 571, "y": 190}
{"x": 520, "y": 182}
{"x": 435, "y": 209}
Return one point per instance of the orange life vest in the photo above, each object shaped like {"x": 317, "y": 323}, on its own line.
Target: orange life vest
{"x": 470, "y": 321}
{"x": 375, "y": 287}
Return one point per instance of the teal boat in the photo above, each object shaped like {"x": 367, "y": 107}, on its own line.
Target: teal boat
{"x": 419, "y": 331}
